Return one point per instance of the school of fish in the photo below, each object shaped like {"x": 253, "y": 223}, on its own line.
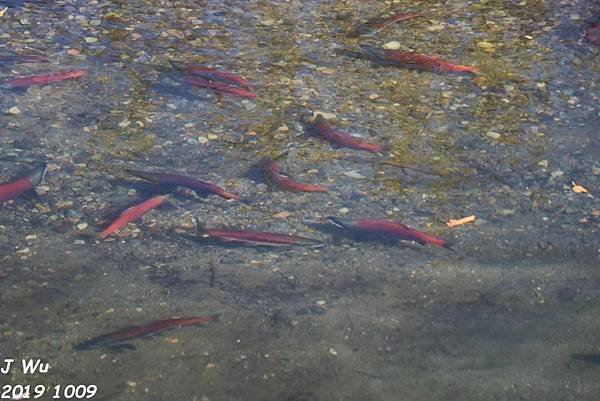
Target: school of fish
{"x": 228, "y": 83}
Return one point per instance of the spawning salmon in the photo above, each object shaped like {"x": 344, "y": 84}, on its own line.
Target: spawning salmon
{"x": 184, "y": 181}
{"x": 416, "y": 61}
{"x": 133, "y": 213}
{"x": 390, "y": 229}
{"x": 219, "y": 87}
{"x": 118, "y": 339}
{"x": 26, "y": 82}
{"x": 272, "y": 172}
{"x": 11, "y": 190}
{"x": 342, "y": 138}
{"x": 257, "y": 238}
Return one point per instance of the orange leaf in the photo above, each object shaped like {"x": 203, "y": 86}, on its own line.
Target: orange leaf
{"x": 578, "y": 188}
{"x": 454, "y": 223}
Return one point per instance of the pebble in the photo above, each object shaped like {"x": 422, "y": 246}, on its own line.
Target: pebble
{"x": 212, "y": 136}
{"x": 42, "y": 189}
{"x": 14, "y": 110}
{"x": 344, "y": 210}
{"x": 24, "y": 250}
{"x": 393, "y": 45}
{"x": 327, "y": 116}
{"x": 203, "y": 139}
{"x": 486, "y": 46}
{"x": 543, "y": 163}
{"x": 90, "y": 39}
{"x": 31, "y": 237}
{"x": 332, "y": 351}
{"x": 282, "y": 215}
{"x": 506, "y": 212}
{"x": 556, "y": 173}
{"x": 82, "y": 226}
{"x": 493, "y": 135}
{"x": 79, "y": 242}
{"x": 354, "y": 174}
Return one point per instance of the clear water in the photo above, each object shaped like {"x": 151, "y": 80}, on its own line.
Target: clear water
{"x": 511, "y": 315}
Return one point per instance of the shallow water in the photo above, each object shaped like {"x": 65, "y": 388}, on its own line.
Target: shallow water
{"x": 511, "y": 314}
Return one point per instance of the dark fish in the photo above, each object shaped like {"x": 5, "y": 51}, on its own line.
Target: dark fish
{"x": 390, "y": 229}
{"x": 342, "y": 138}
{"x": 589, "y": 357}
{"x": 183, "y": 181}
{"x": 23, "y": 59}
{"x": 26, "y": 82}
{"x": 272, "y": 173}
{"x": 133, "y": 213}
{"x": 118, "y": 339}
{"x": 592, "y": 34}
{"x": 376, "y": 25}
{"x": 258, "y": 238}
{"x": 213, "y": 74}
{"x": 416, "y": 61}
{"x": 219, "y": 87}
{"x": 11, "y": 190}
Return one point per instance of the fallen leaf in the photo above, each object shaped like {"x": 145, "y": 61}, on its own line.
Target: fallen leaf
{"x": 578, "y": 188}
{"x": 454, "y": 223}
{"x": 282, "y": 215}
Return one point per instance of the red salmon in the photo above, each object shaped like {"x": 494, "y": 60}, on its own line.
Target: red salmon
{"x": 389, "y": 228}
{"x": 342, "y": 138}
{"x": 11, "y": 190}
{"x": 219, "y": 87}
{"x": 183, "y": 181}
{"x": 26, "y": 82}
{"x": 132, "y": 214}
{"x": 219, "y": 75}
{"x": 118, "y": 339}
{"x": 257, "y": 237}
{"x": 272, "y": 173}
{"x": 416, "y": 61}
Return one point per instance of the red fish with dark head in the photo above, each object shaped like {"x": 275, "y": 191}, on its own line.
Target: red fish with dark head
{"x": 416, "y": 61}
{"x": 11, "y": 190}
{"x": 26, "y": 82}
{"x": 133, "y": 213}
{"x": 184, "y": 181}
{"x": 390, "y": 229}
{"x": 219, "y": 75}
{"x": 272, "y": 172}
{"x": 342, "y": 138}
{"x": 219, "y": 87}
{"x": 118, "y": 339}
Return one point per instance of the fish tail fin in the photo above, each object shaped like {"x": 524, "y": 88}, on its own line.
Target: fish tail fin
{"x": 143, "y": 175}
{"x": 340, "y": 222}
{"x": 373, "y": 51}
{"x": 19, "y": 90}
{"x": 447, "y": 246}
{"x": 178, "y": 65}
{"x": 38, "y": 174}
